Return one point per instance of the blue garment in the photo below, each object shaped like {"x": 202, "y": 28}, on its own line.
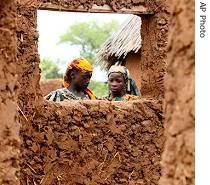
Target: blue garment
{"x": 132, "y": 87}
{"x": 118, "y": 99}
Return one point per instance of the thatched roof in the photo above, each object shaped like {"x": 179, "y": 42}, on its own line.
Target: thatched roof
{"x": 127, "y": 38}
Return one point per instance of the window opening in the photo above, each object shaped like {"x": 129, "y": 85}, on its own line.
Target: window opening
{"x": 57, "y": 45}
{"x": 55, "y": 53}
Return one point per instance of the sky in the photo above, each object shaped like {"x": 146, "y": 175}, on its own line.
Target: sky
{"x": 52, "y": 24}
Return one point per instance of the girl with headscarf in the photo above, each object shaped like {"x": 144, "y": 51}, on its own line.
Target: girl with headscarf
{"x": 121, "y": 86}
{"x": 75, "y": 82}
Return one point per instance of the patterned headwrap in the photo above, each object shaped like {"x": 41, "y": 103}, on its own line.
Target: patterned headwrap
{"x": 119, "y": 69}
{"x": 82, "y": 65}
{"x": 131, "y": 85}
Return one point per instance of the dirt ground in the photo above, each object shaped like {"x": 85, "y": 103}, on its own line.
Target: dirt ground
{"x": 98, "y": 142}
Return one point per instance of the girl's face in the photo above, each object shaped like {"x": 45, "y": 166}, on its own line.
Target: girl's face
{"x": 116, "y": 83}
{"x": 81, "y": 80}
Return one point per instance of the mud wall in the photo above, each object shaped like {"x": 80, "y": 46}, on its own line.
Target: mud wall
{"x": 179, "y": 153}
{"x": 41, "y": 117}
{"x": 133, "y": 63}
{"x": 9, "y": 127}
{"x": 93, "y": 142}
{"x": 46, "y": 144}
{"x": 47, "y": 86}
{"x": 148, "y": 66}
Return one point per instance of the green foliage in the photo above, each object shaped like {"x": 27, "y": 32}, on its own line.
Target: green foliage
{"x": 100, "y": 89}
{"x": 88, "y": 36}
{"x": 49, "y": 70}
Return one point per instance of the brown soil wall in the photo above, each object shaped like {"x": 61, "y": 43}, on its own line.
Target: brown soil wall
{"x": 93, "y": 142}
{"x": 148, "y": 66}
{"x": 179, "y": 153}
{"x": 121, "y": 155}
{"x": 50, "y": 85}
{"x": 110, "y": 143}
{"x": 133, "y": 63}
{"x": 9, "y": 127}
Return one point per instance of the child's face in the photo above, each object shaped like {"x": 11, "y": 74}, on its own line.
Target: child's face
{"x": 116, "y": 83}
{"x": 81, "y": 80}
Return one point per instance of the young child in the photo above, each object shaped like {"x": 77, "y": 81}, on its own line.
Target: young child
{"x": 120, "y": 88}
{"x": 75, "y": 83}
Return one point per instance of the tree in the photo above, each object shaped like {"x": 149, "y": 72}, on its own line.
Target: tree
{"x": 88, "y": 36}
{"x": 49, "y": 70}
{"x": 99, "y": 88}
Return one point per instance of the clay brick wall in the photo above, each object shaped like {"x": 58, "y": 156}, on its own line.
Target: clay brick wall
{"x": 94, "y": 142}
{"x": 179, "y": 154}
{"x": 9, "y": 126}
{"x": 52, "y": 152}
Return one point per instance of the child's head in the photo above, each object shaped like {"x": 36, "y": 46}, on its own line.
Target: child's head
{"x": 117, "y": 80}
{"x": 78, "y": 73}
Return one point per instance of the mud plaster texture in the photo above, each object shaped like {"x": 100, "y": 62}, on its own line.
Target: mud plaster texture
{"x": 148, "y": 66}
{"x": 9, "y": 127}
{"x": 178, "y": 160}
{"x": 104, "y": 143}
{"x": 93, "y": 142}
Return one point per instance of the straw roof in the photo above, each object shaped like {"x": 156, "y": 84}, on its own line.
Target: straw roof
{"x": 126, "y": 39}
